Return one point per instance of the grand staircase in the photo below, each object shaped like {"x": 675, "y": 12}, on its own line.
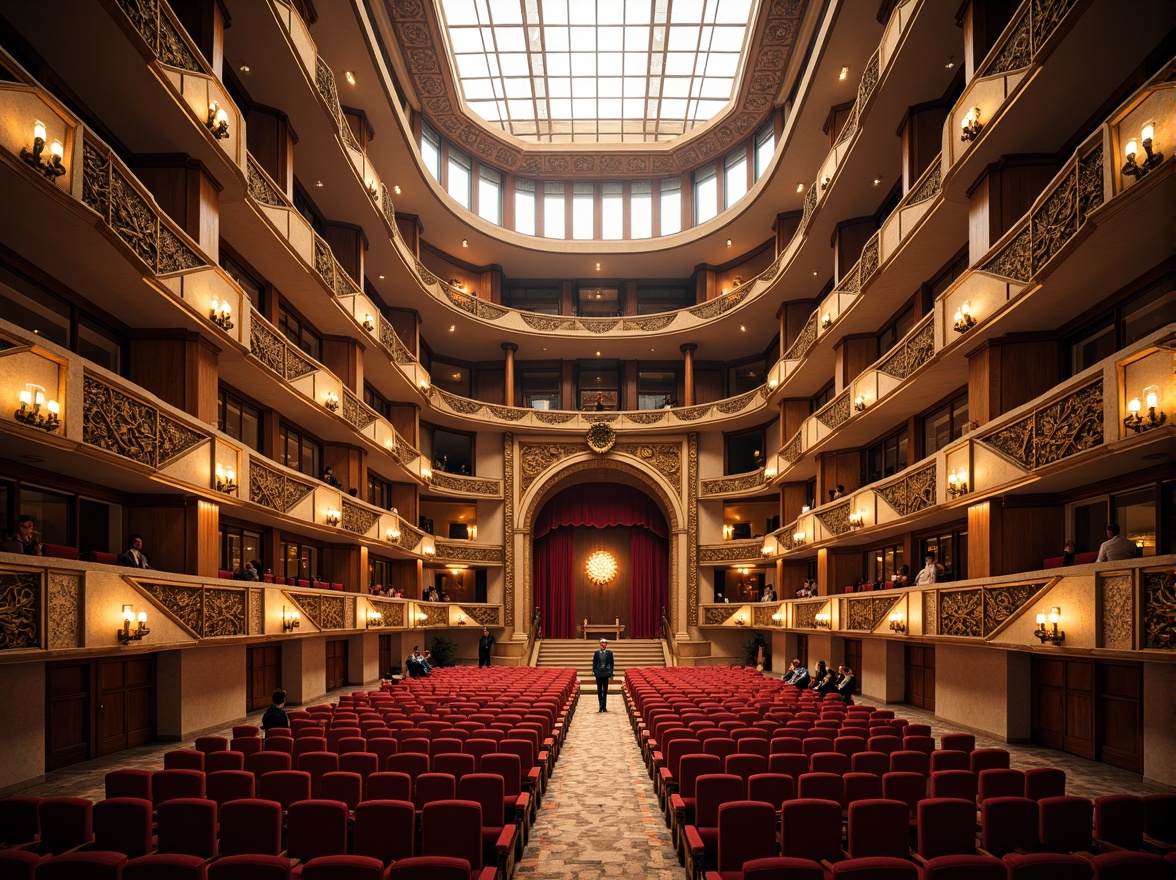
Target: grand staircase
{"x": 577, "y": 654}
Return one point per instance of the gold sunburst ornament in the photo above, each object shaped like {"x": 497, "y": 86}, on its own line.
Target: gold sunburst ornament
{"x": 601, "y": 438}
{"x": 601, "y": 567}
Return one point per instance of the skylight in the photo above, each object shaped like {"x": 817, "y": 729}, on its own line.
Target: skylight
{"x": 597, "y": 71}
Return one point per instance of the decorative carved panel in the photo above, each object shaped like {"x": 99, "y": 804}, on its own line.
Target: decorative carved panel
{"x": 913, "y": 352}
{"x": 835, "y": 519}
{"x": 160, "y": 33}
{"x": 648, "y": 323}
{"x": 869, "y": 79}
{"x": 961, "y": 613}
{"x": 206, "y": 612}
{"x": 393, "y": 612}
{"x": 804, "y": 614}
{"x": 912, "y": 492}
{"x": 324, "y": 610}
{"x": 355, "y": 412}
{"x": 261, "y": 189}
{"x": 691, "y": 537}
{"x": 869, "y": 258}
{"x": 256, "y": 611}
{"x": 717, "y": 615}
{"x": 1090, "y": 182}
{"x": 738, "y": 483}
{"x": 20, "y": 610}
{"x": 761, "y": 615}
{"x": 64, "y": 620}
{"x": 865, "y": 614}
{"x": 731, "y": 552}
{"x": 467, "y": 551}
{"x": 1116, "y": 612}
{"x": 721, "y": 305}
{"x": 1056, "y": 221}
{"x": 508, "y": 546}
{"x": 1054, "y": 431}
{"x": 801, "y": 345}
{"x": 358, "y": 519}
{"x": 1001, "y": 603}
{"x": 484, "y": 615}
{"x": 930, "y": 613}
{"x": 794, "y": 448}
{"x": 1016, "y": 52}
{"x": 274, "y": 489}
{"x": 435, "y": 615}
{"x": 116, "y": 422}
{"x": 1014, "y": 260}
{"x": 468, "y": 485}
{"x": 665, "y": 458}
{"x": 836, "y": 412}
{"x": 1159, "y": 609}
{"x": 1046, "y": 15}
{"x": 110, "y": 189}
{"x": 930, "y": 185}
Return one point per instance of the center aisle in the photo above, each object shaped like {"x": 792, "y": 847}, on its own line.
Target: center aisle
{"x": 600, "y": 815}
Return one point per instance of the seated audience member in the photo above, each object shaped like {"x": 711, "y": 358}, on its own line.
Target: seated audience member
{"x": 839, "y": 492}
{"x": 902, "y": 577}
{"x": 412, "y": 665}
{"x": 425, "y": 664}
{"x": 801, "y": 678}
{"x": 832, "y": 495}
{"x": 24, "y": 539}
{"x": 847, "y": 686}
{"x": 769, "y": 594}
{"x": 818, "y": 674}
{"x": 330, "y": 479}
{"x": 275, "y": 715}
{"x": 791, "y": 673}
{"x": 1116, "y": 546}
{"x": 134, "y": 555}
{"x": 828, "y": 684}
{"x": 1069, "y": 552}
{"x": 247, "y": 573}
{"x": 931, "y": 572}
{"x": 376, "y": 589}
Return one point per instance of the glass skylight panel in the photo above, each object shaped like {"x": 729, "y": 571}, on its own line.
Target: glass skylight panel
{"x": 668, "y": 51}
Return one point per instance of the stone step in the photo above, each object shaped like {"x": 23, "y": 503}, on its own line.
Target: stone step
{"x": 577, "y": 654}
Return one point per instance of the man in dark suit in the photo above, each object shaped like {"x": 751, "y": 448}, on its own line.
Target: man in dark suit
{"x": 485, "y": 643}
{"x": 602, "y": 671}
{"x": 134, "y": 555}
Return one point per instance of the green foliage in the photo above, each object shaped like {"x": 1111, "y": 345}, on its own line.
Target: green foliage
{"x": 442, "y": 652}
{"x": 752, "y": 645}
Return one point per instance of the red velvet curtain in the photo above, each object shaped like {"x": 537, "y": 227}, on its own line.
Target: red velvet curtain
{"x": 555, "y": 591}
{"x": 600, "y": 506}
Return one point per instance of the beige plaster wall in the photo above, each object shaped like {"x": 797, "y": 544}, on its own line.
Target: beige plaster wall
{"x": 199, "y": 690}
{"x": 983, "y": 690}
{"x": 22, "y": 723}
{"x": 1159, "y": 731}
{"x": 882, "y": 675}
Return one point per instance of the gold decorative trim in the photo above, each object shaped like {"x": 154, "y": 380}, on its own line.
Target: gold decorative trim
{"x": 1159, "y": 610}
{"x": 355, "y": 413}
{"x": 979, "y": 612}
{"x": 600, "y": 438}
{"x": 691, "y": 537}
{"x": 866, "y": 613}
{"x": 205, "y": 612}
{"x": 1116, "y": 612}
{"x": 20, "y": 610}
{"x": 836, "y": 412}
{"x": 911, "y": 492}
{"x": 467, "y": 551}
{"x": 64, "y": 620}
{"x": 273, "y": 489}
{"x": 358, "y": 519}
{"x": 737, "y": 483}
{"x": 468, "y": 485}
{"x": 508, "y": 546}
{"x": 1054, "y": 431}
{"x": 804, "y": 614}
{"x": 126, "y": 426}
{"x": 915, "y": 350}
{"x": 324, "y": 610}
{"x": 835, "y": 519}
{"x": 483, "y": 615}
{"x": 730, "y": 553}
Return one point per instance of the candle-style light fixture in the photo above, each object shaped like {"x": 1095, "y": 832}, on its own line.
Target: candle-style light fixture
{"x": 826, "y": 321}
{"x": 126, "y": 635}
{"x": 217, "y": 121}
{"x": 333, "y": 516}
{"x": 971, "y": 126}
{"x": 50, "y": 166}
{"x": 963, "y": 318}
{"x": 1155, "y": 417}
{"x": 601, "y": 567}
{"x": 291, "y": 619}
{"x": 897, "y": 624}
{"x": 331, "y": 401}
{"x": 220, "y": 312}
{"x": 1132, "y": 167}
{"x": 226, "y": 478}
{"x": 957, "y": 482}
{"x": 1052, "y": 635}
{"x": 373, "y": 188}
{"x": 855, "y": 520}
{"x": 32, "y": 401}
{"x": 859, "y": 403}
{"x": 369, "y": 322}
{"x": 374, "y": 618}
{"x": 798, "y": 538}
{"x": 821, "y": 619}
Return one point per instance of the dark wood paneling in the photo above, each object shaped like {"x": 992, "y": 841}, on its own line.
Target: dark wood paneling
{"x": 67, "y": 714}
{"x": 270, "y": 144}
{"x": 125, "y": 693}
{"x": 179, "y": 368}
{"x": 602, "y": 604}
{"x": 263, "y": 675}
{"x": 1120, "y": 715}
{"x": 919, "y": 684}
{"x": 853, "y": 659}
{"x": 348, "y": 244}
{"x": 849, "y": 239}
{"x": 387, "y": 659}
{"x": 336, "y": 663}
{"x": 854, "y": 355}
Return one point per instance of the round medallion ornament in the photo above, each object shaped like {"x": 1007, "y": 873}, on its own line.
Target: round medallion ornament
{"x": 601, "y": 438}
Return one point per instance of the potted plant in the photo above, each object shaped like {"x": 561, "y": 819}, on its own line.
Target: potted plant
{"x": 442, "y": 651}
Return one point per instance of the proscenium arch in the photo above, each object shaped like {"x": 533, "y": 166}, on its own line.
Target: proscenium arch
{"x": 591, "y": 468}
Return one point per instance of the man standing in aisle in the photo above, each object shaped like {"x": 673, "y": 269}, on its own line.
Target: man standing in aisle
{"x": 484, "y": 645}
{"x": 602, "y": 671}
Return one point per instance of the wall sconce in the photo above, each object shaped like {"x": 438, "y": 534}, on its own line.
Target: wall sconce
{"x": 778, "y": 617}
{"x": 331, "y": 400}
{"x": 859, "y": 403}
{"x": 770, "y": 471}
{"x": 601, "y": 567}
{"x": 226, "y": 478}
{"x": 773, "y": 383}
{"x": 963, "y": 318}
{"x": 826, "y": 321}
{"x": 369, "y": 322}
{"x": 423, "y": 384}
{"x": 429, "y": 549}
{"x": 971, "y": 126}
{"x": 374, "y": 618}
{"x": 472, "y": 532}
{"x": 220, "y": 312}
{"x": 291, "y": 619}
{"x": 855, "y": 520}
{"x": 957, "y": 482}
{"x": 217, "y": 121}
{"x": 427, "y": 474}
{"x": 461, "y": 619}
{"x": 1052, "y": 635}
{"x": 1155, "y": 416}
{"x": 392, "y": 535}
{"x": 1131, "y": 168}
{"x": 769, "y": 547}
{"x": 821, "y": 619}
{"x": 51, "y": 167}
{"x": 798, "y": 539}
{"x": 373, "y": 188}
{"x": 455, "y": 283}
{"x": 126, "y": 635}
{"x": 728, "y": 532}
{"x": 824, "y": 183}
{"x": 32, "y": 399}
{"x": 897, "y": 624}
{"x": 421, "y": 617}
{"x": 333, "y": 516}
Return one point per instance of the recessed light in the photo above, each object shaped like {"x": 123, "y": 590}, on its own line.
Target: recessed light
{"x": 742, "y": 328}
{"x": 877, "y": 181}
{"x": 598, "y": 296}
{"x": 350, "y": 75}
{"x": 814, "y": 272}
{"x": 800, "y": 187}
{"x": 950, "y": 62}
{"x": 598, "y": 267}
{"x": 728, "y": 242}
{"x": 245, "y": 68}
{"x": 381, "y": 277}
{"x": 545, "y": 348}
{"x": 844, "y": 73}
{"x": 318, "y": 183}
{"x": 396, "y": 189}
{"x": 465, "y": 242}
{"x": 452, "y": 328}
{"x": 598, "y": 354}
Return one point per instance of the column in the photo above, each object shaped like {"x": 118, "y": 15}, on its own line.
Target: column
{"x": 508, "y": 382}
{"x": 688, "y": 372}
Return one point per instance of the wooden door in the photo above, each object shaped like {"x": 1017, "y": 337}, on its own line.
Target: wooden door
{"x": 1062, "y": 714}
{"x": 853, "y": 659}
{"x": 919, "y": 689}
{"x": 125, "y": 694}
{"x": 67, "y": 714}
{"x": 263, "y": 675}
{"x": 1120, "y": 715}
{"x": 336, "y": 663}
{"x": 386, "y": 661}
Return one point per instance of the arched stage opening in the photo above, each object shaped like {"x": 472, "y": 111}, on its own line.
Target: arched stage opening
{"x": 610, "y": 518}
